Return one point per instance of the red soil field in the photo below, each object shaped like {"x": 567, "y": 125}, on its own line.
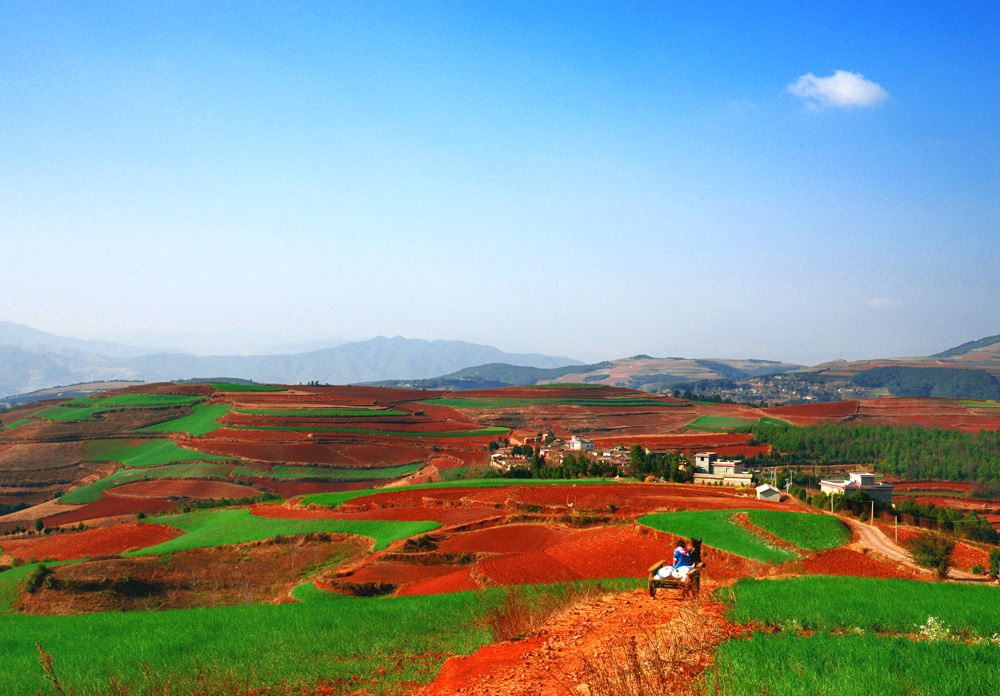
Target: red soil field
{"x": 165, "y": 488}
{"x": 446, "y": 517}
{"x": 344, "y": 455}
{"x": 848, "y": 562}
{"x": 966, "y": 556}
{"x": 397, "y": 573}
{"x": 394, "y": 424}
{"x": 511, "y": 538}
{"x": 92, "y": 542}
{"x": 958, "y": 486}
{"x": 110, "y": 507}
{"x": 290, "y": 488}
{"x": 693, "y": 441}
{"x": 608, "y": 552}
{"x": 834, "y": 410}
{"x": 458, "y": 581}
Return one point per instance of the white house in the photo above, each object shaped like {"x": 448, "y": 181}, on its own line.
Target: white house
{"x": 880, "y": 492}
{"x": 578, "y": 443}
{"x": 709, "y": 469}
{"x": 766, "y": 491}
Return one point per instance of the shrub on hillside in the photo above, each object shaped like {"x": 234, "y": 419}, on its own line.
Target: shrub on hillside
{"x": 932, "y": 551}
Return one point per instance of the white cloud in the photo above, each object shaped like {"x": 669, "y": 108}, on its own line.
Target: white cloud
{"x": 842, "y": 89}
{"x": 882, "y": 303}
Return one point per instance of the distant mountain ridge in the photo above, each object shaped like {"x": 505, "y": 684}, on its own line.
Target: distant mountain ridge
{"x": 31, "y": 360}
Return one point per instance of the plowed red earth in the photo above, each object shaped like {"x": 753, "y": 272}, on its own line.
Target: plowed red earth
{"x": 511, "y": 538}
{"x": 398, "y": 573}
{"x": 834, "y": 410}
{"x": 345, "y": 455}
{"x": 608, "y": 552}
{"x": 111, "y": 507}
{"x": 958, "y": 486}
{"x": 458, "y": 581}
{"x": 446, "y": 517}
{"x": 850, "y": 562}
{"x": 687, "y": 441}
{"x": 551, "y": 661}
{"x": 165, "y": 488}
{"x": 290, "y": 488}
{"x": 92, "y": 542}
{"x": 966, "y": 556}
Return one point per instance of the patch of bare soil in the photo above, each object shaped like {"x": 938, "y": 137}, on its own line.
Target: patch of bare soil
{"x": 620, "y": 644}
{"x": 253, "y": 573}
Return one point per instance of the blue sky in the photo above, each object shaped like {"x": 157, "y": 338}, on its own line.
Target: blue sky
{"x": 788, "y": 181}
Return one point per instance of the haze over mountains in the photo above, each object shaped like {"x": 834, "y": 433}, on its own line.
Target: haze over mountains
{"x": 31, "y": 360}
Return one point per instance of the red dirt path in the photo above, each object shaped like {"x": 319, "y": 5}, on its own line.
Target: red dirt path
{"x": 92, "y": 542}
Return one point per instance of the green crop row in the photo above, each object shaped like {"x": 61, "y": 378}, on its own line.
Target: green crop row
{"x": 335, "y": 473}
{"x": 489, "y": 430}
{"x": 135, "y": 400}
{"x": 226, "y": 387}
{"x": 200, "y": 421}
{"x": 718, "y": 529}
{"x": 500, "y": 402}
{"x": 802, "y": 530}
{"x": 721, "y": 422}
{"x": 93, "y": 491}
{"x": 225, "y": 527}
{"x": 335, "y": 499}
{"x": 143, "y": 453}
{"x": 827, "y": 603}
{"x": 319, "y": 412}
{"x": 392, "y": 640}
{"x": 851, "y": 665}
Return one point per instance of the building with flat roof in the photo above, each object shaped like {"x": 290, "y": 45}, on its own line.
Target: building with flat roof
{"x": 709, "y": 469}
{"x": 880, "y": 492}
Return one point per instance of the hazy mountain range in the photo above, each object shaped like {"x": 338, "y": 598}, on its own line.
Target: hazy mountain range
{"x": 31, "y": 360}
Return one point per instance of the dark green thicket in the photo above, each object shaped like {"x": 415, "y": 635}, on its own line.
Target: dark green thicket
{"x": 912, "y": 453}
{"x": 944, "y": 382}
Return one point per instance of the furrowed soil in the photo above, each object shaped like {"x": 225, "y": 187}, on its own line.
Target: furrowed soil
{"x": 263, "y": 571}
{"x": 576, "y": 650}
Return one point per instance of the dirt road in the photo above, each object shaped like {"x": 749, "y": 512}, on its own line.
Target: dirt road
{"x": 585, "y": 648}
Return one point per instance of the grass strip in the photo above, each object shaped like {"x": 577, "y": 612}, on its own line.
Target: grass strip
{"x": 718, "y": 529}
{"x": 851, "y": 665}
{"x": 501, "y": 402}
{"x": 802, "y": 530}
{"x": 828, "y": 603}
{"x": 135, "y": 400}
{"x": 17, "y": 423}
{"x": 226, "y": 527}
{"x": 319, "y": 412}
{"x": 336, "y": 474}
{"x": 487, "y": 431}
{"x": 335, "y": 499}
{"x": 226, "y": 387}
{"x": 201, "y": 420}
{"x": 193, "y": 470}
{"x": 724, "y": 422}
{"x": 145, "y": 453}
{"x": 70, "y": 413}
{"x": 389, "y": 640}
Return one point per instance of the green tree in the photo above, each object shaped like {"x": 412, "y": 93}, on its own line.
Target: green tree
{"x": 994, "y": 563}
{"x": 932, "y": 551}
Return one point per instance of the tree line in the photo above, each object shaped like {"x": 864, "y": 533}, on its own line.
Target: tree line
{"x": 912, "y": 453}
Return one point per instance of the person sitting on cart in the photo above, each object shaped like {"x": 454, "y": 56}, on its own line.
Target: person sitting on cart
{"x": 681, "y": 566}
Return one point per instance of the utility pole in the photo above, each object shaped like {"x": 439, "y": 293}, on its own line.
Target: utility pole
{"x": 872, "y": 519}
